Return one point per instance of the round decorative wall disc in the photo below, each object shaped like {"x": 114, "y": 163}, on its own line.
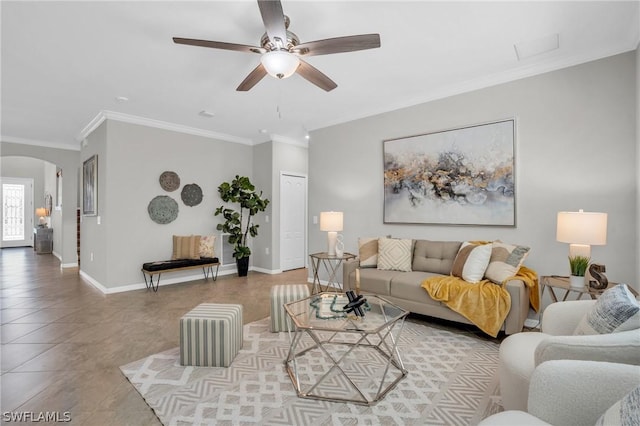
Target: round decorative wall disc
{"x": 191, "y": 195}
{"x": 163, "y": 209}
{"x": 169, "y": 181}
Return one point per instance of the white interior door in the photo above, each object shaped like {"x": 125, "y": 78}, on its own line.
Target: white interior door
{"x": 293, "y": 212}
{"x": 16, "y": 215}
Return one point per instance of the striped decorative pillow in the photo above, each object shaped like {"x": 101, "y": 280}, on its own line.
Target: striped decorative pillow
{"x": 186, "y": 247}
{"x": 616, "y": 310}
{"x": 471, "y": 261}
{"x": 368, "y": 252}
{"x": 394, "y": 254}
{"x": 506, "y": 260}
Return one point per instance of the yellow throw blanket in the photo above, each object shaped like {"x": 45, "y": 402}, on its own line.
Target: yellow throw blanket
{"x": 485, "y": 304}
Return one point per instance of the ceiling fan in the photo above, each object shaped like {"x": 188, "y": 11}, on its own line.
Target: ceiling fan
{"x": 282, "y": 51}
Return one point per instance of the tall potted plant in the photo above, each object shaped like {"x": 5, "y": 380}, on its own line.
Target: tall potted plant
{"x": 238, "y": 223}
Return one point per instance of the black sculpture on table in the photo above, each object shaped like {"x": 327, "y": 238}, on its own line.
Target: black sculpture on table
{"x": 355, "y": 304}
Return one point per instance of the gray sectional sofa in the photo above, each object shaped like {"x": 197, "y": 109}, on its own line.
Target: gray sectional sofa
{"x": 404, "y": 288}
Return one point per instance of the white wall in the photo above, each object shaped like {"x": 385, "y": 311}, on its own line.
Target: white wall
{"x": 575, "y": 148}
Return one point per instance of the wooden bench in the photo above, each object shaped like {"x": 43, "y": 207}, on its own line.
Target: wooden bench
{"x": 151, "y": 269}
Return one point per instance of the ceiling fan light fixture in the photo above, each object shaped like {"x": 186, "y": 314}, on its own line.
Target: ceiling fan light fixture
{"x": 280, "y": 63}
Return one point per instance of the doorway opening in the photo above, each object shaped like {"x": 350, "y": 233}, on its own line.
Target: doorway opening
{"x": 16, "y": 215}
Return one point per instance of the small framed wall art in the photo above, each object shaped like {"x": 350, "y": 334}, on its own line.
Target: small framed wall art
{"x": 90, "y": 186}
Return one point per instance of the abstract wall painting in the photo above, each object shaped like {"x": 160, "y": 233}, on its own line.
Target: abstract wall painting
{"x": 463, "y": 176}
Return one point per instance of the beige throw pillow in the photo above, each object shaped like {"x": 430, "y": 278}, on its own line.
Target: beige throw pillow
{"x": 368, "y": 252}
{"x": 471, "y": 261}
{"x": 506, "y": 260}
{"x": 394, "y": 254}
{"x": 186, "y": 247}
{"x": 207, "y": 244}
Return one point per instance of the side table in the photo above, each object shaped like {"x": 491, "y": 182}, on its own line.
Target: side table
{"x": 331, "y": 265}
{"x": 43, "y": 240}
{"x": 556, "y": 282}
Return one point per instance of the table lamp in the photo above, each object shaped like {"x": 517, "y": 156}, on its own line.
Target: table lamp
{"x": 581, "y": 230}
{"x": 332, "y": 223}
{"x": 42, "y": 212}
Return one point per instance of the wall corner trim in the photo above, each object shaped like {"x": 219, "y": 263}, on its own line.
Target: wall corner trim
{"x": 158, "y": 124}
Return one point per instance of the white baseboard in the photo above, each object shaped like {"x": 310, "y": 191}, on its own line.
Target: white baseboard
{"x": 143, "y": 286}
{"x": 266, "y": 271}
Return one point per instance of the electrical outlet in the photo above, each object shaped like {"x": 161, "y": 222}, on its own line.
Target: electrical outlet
{"x": 266, "y": 219}
{"x": 266, "y": 251}
{"x": 91, "y": 256}
{"x": 315, "y": 220}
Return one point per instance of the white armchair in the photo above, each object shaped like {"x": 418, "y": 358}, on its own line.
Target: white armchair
{"x": 569, "y": 392}
{"x": 521, "y": 353}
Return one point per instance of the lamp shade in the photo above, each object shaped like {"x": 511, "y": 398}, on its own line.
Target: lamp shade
{"x": 582, "y": 227}
{"x": 280, "y": 63}
{"x": 41, "y": 211}
{"x": 331, "y": 221}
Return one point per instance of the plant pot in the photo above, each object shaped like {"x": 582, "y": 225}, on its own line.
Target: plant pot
{"x": 576, "y": 281}
{"x": 243, "y": 266}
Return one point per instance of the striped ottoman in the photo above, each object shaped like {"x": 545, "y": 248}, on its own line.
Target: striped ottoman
{"x": 211, "y": 335}
{"x": 281, "y": 294}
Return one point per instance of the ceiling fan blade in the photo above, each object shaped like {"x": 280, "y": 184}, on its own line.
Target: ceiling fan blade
{"x": 273, "y": 18}
{"x": 315, "y": 76}
{"x": 338, "y": 45}
{"x": 252, "y": 79}
{"x": 219, "y": 45}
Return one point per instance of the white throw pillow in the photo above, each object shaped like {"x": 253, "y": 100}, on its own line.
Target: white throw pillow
{"x": 471, "y": 261}
{"x": 616, "y": 310}
{"x": 394, "y": 254}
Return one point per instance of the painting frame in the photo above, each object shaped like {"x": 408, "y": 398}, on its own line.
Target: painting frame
{"x": 458, "y": 176}
{"x": 90, "y": 186}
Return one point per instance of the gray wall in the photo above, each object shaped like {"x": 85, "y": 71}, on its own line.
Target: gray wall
{"x": 68, "y": 161}
{"x": 131, "y": 158}
{"x": 638, "y": 159}
{"x": 262, "y": 171}
{"x": 576, "y": 148}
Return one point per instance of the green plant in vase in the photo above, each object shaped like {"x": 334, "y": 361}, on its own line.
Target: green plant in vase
{"x": 238, "y": 223}
{"x": 578, "y": 265}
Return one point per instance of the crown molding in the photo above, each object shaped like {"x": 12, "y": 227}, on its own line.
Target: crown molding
{"x": 34, "y": 142}
{"x": 164, "y": 125}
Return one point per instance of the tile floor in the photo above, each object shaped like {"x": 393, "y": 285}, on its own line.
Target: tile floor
{"x": 62, "y": 340}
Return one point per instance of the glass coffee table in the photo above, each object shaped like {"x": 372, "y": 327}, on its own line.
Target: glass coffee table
{"x": 335, "y": 356}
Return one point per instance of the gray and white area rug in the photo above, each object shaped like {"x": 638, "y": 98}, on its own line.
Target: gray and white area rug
{"x": 452, "y": 380}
